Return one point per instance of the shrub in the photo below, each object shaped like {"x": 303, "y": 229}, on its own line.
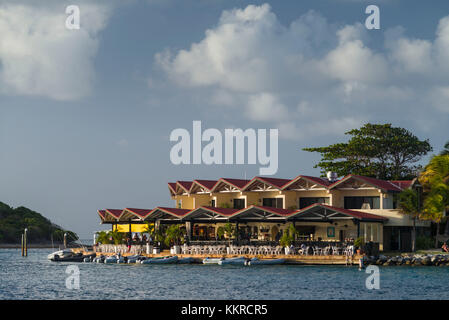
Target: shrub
{"x": 424, "y": 243}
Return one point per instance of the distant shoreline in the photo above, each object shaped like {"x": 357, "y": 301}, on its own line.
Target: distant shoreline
{"x": 32, "y": 246}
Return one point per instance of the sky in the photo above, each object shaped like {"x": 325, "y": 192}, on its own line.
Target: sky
{"x": 86, "y": 115}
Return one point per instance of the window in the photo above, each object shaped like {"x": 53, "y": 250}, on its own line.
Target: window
{"x": 239, "y": 203}
{"x": 212, "y": 203}
{"x": 273, "y": 202}
{"x": 307, "y": 201}
{"x": 362, "y": 203}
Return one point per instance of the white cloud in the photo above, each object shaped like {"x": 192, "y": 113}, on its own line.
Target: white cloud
{"x": 312, "y": 77}
{"x": 39, "y": 56}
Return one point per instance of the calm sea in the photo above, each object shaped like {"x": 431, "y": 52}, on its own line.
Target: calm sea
{"x": 34, "y": 277}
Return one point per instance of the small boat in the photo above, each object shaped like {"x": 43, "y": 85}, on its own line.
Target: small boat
{"x": 111, "y": 259}
{"x": 99, "y": 259}
{"x": 212, "y": 260}
{"x": 186, "y": 260}
{"x": 233, "y": 261}
{"x": 67, "y": 255}
{"x": 266, "y": 262}
{"x": 133, "y": 259}
{"x": 165, "y": 260}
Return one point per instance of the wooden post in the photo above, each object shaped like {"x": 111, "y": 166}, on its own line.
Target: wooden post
{"x": 25, "y": 242}
{"x": 23, "y": 245}
{"x": 65, "y": 240}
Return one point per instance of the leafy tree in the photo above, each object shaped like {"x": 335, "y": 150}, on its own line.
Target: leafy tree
{"x": 410, "y": 204}
{"x": 375, "y": 150}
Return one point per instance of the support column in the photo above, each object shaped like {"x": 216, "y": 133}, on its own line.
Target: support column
{"x": 189, "y": 230}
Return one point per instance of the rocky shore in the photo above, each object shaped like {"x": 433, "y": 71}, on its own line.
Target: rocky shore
{"x": 409, "y": 260}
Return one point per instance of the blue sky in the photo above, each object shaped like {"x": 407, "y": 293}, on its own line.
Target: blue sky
{"x": 85, "y": 116}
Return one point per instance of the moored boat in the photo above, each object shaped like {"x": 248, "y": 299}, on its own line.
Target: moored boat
{"x": 233, "y": 261}
{"x": 266, "y": 262}
{"x": 212, "y": 260}
{"x": 165, "y": 260}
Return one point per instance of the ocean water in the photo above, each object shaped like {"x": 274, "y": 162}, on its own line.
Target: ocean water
{"x": 34, "y": 277}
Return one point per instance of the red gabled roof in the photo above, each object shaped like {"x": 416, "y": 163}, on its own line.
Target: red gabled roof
{"x": 115, "y": 212}
{"x": 279, "y": 211}
{"x": 140, "y": 212}
{"x": 321, "y": 181}
{"x": 208, "y": 184}
{"x": 185, "y": 185}
{"x": 277, "y": 182}
{"x": 381, "y": 184}
{"x": 403, "y": 184}
{"x": 222, "y": 211}
{"x": 176, "y": 211}
{"x": 102, "y": 214}
{"x": 238, "y": 183}
{"x": 172, "y": 187}
{"x": 356, "y": 214}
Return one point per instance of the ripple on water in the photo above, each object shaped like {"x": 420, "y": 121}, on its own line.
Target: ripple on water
{"x": 35, "y": 277}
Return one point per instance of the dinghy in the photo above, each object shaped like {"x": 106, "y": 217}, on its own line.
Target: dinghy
{"x": 233, "y": 261}
{"x": 67, "y": 255}
{"x": 111, "y": 259}
{"x": 99, "y": 259}
{"x": 212, "y": 260}
{"x": 266, "y": 262}
{"x": 166, "y": 260}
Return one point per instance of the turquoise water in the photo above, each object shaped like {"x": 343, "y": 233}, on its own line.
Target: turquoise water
{"x": 34, "y": 277}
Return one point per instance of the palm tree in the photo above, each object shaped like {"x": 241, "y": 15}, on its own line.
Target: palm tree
{"x": 409, "y": 203}
{"x": 435, "y": 179}
{"x": 173, "y": 234}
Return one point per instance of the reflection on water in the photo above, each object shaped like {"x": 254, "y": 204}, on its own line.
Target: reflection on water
{"x": 35, "y": 277}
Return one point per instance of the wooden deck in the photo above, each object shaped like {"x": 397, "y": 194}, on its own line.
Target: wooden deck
{"x": 290, "y": 259}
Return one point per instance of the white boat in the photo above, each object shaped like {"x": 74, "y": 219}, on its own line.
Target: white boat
{"x": 111, "y": 259}
{"x": 61, "y": 254}
{"x": 266, "y": 262}
{"x": 165, "y": 260}
{"x": 212, "y": 260}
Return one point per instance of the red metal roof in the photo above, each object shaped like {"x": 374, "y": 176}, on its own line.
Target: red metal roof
{"x": 238, "y": 183}
{"x": 140, "y": 212}
{"x": 185, "y": 185}
{"x": 403, "y": 184}
{"x": 102, "y": 213}
{"x": 381, "y": 184}
{"x": 279, "y": 211}
{"x": 115, "y": 212}
{"x": 356, "y": 214}
{"x": 222, "y": 211}
{"x": 277, "y": 182}
{"x": 208, "y": 184}
{"x": 175, "y": 211}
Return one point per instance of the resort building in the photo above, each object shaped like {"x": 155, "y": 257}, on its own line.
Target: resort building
{"x": 321, "y": 209}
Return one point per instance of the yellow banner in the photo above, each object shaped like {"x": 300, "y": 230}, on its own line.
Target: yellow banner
{"x": 134, "y": 227}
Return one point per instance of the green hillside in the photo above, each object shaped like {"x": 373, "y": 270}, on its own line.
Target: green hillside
{"x": 40, "y": 230}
